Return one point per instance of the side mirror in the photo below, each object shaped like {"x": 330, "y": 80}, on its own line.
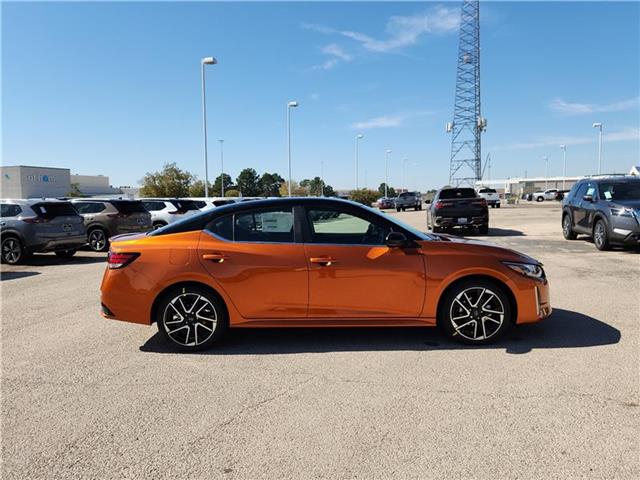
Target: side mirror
{"x": 588, "y": 198}
{"x": 396, "y": 240}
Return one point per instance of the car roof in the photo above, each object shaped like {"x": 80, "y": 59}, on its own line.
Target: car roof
{"x": 285, "y": 202}
{"x": 32, "y": 201}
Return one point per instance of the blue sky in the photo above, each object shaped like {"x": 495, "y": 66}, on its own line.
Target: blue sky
{"x": 114, "y": 88}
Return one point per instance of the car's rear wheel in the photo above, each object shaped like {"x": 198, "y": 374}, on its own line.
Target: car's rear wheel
{"x": 601, "y": 236}
{"x": 497, "y": 205}
{"x": 539, "y": 199}
{"x": 68, "y": 253}
{"x": 97, "y": 240}
{"x": 191, "y": 318}
{"x": 476, "y": 312}
{"x": 12, "y": 250}
{"x": 484, "y": 229}
{"x": 567, "y": 229}
{"x": 157, "y": 225}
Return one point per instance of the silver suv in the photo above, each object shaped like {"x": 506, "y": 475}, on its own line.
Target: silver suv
{"x": 165, "y": 211}
{"x": 104, "y": 218}
{"x": 34, "y": 226}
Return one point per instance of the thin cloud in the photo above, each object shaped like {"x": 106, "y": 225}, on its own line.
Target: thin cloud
{"x": 571, "y": 108}
{"x": 546, "y": 142}
{"x": 402, "y": 31}
{"x": 386, "y": 121}
{"x": 336, "y": 55}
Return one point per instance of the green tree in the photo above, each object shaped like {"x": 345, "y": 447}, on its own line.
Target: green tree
{"x": 315, "y": 187}
{"x": 74, "y": 191}
{"x": 296, "y": 190}
{"x": 248, "y": 183}
{"x": 216, "y": 191}
{"x": 231, "y": 193}
{"x": 390, "y": 191}
{"x": 329, "y": 191}
{"x": 197, "y": 189}
{"x": 269, "y": 184}
{"x": 171, "y": 181}
{"x": 364, "y": 196}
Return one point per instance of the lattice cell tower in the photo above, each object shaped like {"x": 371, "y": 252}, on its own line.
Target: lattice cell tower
{"x": 468, "y": 124}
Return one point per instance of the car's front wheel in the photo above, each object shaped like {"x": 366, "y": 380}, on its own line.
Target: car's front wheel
{"x": 476, "y": 312}
{"x": 191, "y": 318}
{"x": 601, "y": 236}
{"x": 97, "y": 239}
{"x": 567, "y": 229}
{"x": 539, "y": 199}
{"x": 12, "y": 250}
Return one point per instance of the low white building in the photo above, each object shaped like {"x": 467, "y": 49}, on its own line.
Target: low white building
{"x": 518, "y": 185}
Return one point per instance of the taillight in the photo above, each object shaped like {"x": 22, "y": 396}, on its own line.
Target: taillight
{"x": 117, "y": 260}
{"x": 480, "y": 201}
{"x": 441, "y": 204}
{"x": 35, "y": 220}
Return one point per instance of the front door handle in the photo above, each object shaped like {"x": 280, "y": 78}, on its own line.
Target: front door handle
{"x": 324, "y": 261}
{"x": 214, "y": 257}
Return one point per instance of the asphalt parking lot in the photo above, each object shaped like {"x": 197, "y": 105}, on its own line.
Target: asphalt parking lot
{"x": 84, "y": 397}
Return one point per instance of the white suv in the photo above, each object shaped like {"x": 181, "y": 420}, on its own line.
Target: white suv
{"x": 546, "y": 195}
{"x": 165, "y": 211}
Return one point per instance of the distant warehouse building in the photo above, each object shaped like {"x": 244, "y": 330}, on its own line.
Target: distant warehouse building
{"x": 24, "y": 181}
{"x": 519, "y": 186}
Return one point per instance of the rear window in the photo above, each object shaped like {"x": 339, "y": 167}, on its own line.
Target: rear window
{"x": 185, "y": 205}
{"x": 487, "y": 190}
{"x": 153, "y": 206}
{"x": 53, "y": 210}
{"x": 452, "y": 193}
{"x": 128, "y": 207}
{"x": 9, "y": 210}
{"x": 200, "y": 203}
{"x": 219, "y": 203}
{"x": 89, "y": 207}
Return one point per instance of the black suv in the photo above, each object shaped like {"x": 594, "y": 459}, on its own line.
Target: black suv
{"x": 605, "y": 208}
{"x": 458, "y": 207}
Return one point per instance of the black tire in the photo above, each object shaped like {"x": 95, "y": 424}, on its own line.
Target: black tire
{"x": 68, "y": 253}
{"x": 539, "y": 199}
{"x": 98, "y": 239}
{"x": 497, "y": 205}
{"x": 157, "y": 225}
{"x": 435, "y": 229}
{"x": 484, "y": 229}
{"x": 415, "y": 209}
{"x": 12, "y": 250}
{"x": 601, "y": 235}
{"x": 494, "y": 311}
{"x": 397, "y": 209}
{"x": 176, "y": 321}
{"x": 567, "y": 229}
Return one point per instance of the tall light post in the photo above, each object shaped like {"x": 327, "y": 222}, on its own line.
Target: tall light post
{"x": 546, "y": 178}
{"x": 221, "y": 167}
{"x": 322, "y": 178}
{"x": 564, "y": 164}
{"x": 358, "y": 138}
{"x": 290, "y": 105}
{"x": 203, "y": 62}
{"x": 598, "y": 125}
{"x": 386, "y": 173}
{"x": 404, "y": 163}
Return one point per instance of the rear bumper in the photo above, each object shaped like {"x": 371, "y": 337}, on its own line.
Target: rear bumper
{"x": 454, "y": 221}
{"x": 62, "y": 243}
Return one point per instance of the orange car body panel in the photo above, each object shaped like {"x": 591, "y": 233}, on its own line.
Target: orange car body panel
{"x": 283, "y": 285}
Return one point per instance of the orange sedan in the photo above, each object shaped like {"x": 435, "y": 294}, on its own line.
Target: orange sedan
{"x": 315, "y": 262}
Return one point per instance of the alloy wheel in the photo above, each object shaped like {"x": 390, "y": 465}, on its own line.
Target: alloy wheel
{"x": 11, "y": 250}
{"x": 190, "y": 319}
{"x": 599, "y": 235}
{"x": 97, "y": 240}
{"x": 476, "y": 313}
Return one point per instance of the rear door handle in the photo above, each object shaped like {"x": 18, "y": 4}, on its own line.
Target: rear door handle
{"x": 214, "y": 257}
{"x": 324, "y": 261}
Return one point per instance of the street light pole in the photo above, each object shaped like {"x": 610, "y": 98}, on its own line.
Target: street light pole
{"x": 598, "y": 125}
{"x": 290, "y": 105}
{"x": 404, "y": 163}
{"x": 564, "y": 164}
{"x": 546, "y": 178}
{"x": 322, "y": 178}
{"x": 203, "y": 62}
{"x": 221, "y": 168}
{"x": 386, "y": 174}
{"x": 358, "y": 138}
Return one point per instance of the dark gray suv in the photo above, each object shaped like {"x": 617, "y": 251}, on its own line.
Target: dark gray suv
{"x": 606, "y": 208}
{"x": 32, "y": 226}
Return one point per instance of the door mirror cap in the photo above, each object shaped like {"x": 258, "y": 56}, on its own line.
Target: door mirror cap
{"x": 396, "y": 240}
{"x": 588, "y": 198}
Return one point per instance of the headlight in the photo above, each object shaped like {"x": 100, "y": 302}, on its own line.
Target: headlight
{"x": 622, "y": 211}
{"x": 527, "y": 269}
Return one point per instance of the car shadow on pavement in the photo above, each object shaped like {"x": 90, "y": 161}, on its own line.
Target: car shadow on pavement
{"x": 493, "y": 232}
{"x": 52, "y": 259}
{"x": 15, "y": 275}
{"x": 564, "y": 329}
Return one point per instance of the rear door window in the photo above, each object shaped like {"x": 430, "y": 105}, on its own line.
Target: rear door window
{"x": 89, "y": 207}
{"x": 264, "y": 226}
{"x": 10, "y": 210}
{"x": 154, "y": 206}
{"x": 333, "y": 226}
{"x": 129, "y": 207}
{"x": 221, "y": 227}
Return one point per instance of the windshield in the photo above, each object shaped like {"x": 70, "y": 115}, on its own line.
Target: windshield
{"x": 620, "y": 190}
{"x": 451, "y": 193}
{"x": 487, "y": 190}
{"x": 407, "y": 194}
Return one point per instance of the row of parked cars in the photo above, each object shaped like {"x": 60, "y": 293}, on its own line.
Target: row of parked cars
{"x": 63, "y": 226}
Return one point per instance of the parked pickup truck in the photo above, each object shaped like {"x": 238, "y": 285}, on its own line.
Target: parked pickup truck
{"x": 491, "y": 196}
{"x": 541, "y": 196}
{"x": 459, "y": 208}
{"x": 409, "y": 200}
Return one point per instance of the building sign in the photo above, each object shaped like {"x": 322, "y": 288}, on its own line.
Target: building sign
{"x": 35, "y": 177}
